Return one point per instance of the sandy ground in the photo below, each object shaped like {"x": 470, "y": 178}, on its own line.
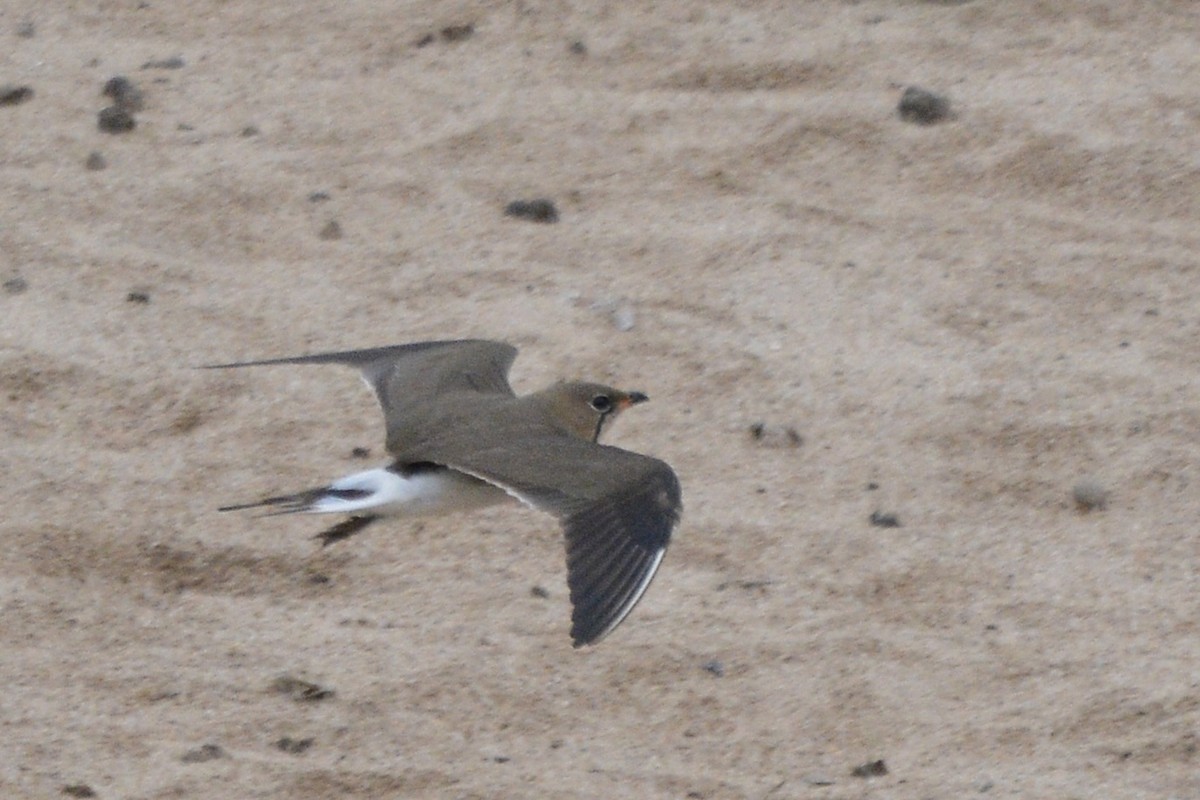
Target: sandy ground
{"x": 960, "y": 322}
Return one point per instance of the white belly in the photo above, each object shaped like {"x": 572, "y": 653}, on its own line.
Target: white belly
{"x": 424, "y": 493}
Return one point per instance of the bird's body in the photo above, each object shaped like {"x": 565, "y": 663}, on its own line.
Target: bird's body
{"x": 461, "y": 440}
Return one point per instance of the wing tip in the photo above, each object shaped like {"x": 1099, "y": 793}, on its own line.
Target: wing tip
{"x": 589, "y": 630}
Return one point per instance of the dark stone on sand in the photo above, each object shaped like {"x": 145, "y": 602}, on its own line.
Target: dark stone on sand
{"x": 450, "y": 33}
{"x": 871, "y": 769}
{"x": 457, "y": 33}
{"x": 299, "y": 689}
{"x": 294, "y": 746}
{"x": 114, "y": 119}
{"x": 12, "y": 95}
{"x": 124, "y": 93}
{"x": 206, "y": 752}
{"x": 922, "y": 107}
{"x": 174, "y": 62}
{"x": 1089, "y": 495}
{"x": 881, "y": 520}
{"x": 540, "y": 209}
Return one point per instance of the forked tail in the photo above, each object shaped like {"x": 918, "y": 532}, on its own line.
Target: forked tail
{"x": 310, "y": 501}
{"x": 374, "y": 490}
{"x": 356, "y": 495}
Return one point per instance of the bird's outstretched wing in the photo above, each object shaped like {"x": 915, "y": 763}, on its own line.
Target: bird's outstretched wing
{"x": 617, "y": 510}
{"x": 410, "y": 378}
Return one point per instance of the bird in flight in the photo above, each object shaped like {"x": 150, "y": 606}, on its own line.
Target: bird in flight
{"x": 461, "y": 439}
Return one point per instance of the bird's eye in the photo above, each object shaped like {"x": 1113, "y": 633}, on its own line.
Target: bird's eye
{"x": 602, "y": 403}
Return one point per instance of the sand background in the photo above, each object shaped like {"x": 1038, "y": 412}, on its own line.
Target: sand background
{"x": 970, "y": 317}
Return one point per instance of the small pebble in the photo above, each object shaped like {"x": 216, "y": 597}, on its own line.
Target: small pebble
{"x": 12, "y": 95}
{"x": 15, "y": 285}
{"x": 96, "y": 161}
{"x": 141, "y": 298}
{"x": 457, "y": 33}
{"x": 871, "y": 769}
{"x": 881, "y": 520}
{"x": 78, "y": 790}
{"x": 124, "y": 94}
{"x": 577, "y": 48}
{"x": 540, "y": 592}
{"x": 331, "y": 231}
{"x": 922, "y": 106}
{"x": 299, "y": 689}
{"x": 747, "y": 584}
{"x": 294, "y": 746}
{"x": 174, "y": 62}
{"x": 26, "y": 30}
{"x": 360, "y": 452}
{"x": 538, "y": 210}
{"x": 207, "y": 752}
{"x": 250, "y": 131}
{"x": 319, "y": 197}
{"x": 714, "y": 667}
{"x": 1089, "y": 495}
{"x": 114, "y": 119}
{"x": 775, "y": 435}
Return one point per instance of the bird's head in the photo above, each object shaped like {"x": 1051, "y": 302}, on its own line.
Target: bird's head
{"x": 584, "y": 409}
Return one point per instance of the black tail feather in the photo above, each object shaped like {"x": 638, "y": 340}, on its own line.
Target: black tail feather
{"x": 301, "y": 501}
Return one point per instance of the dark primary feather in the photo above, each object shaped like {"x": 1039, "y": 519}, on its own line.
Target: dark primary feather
{"x": 613, "y": 547}
{"x": 617, "y": 510}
